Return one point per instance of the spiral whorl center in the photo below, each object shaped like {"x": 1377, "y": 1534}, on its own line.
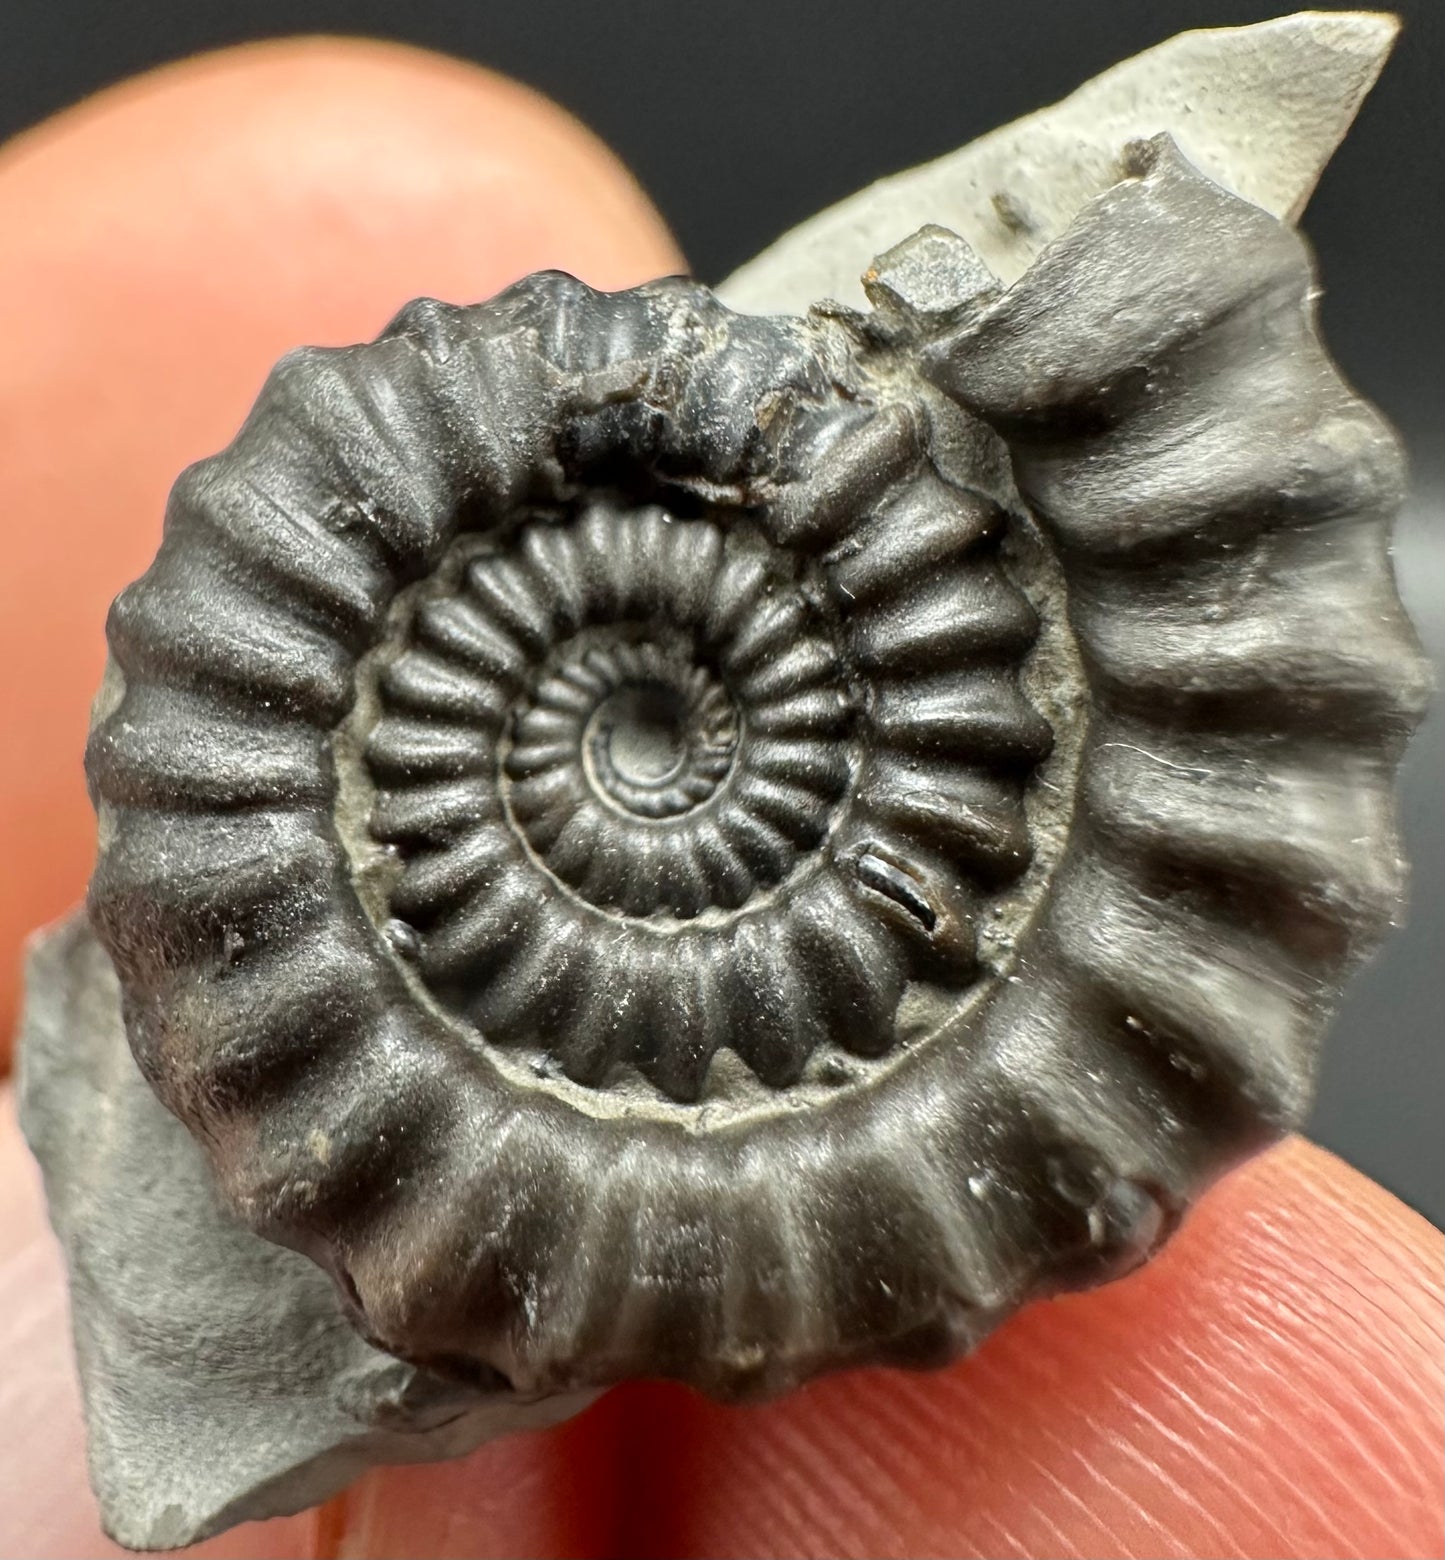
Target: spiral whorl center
{"x": 662, "y": 738}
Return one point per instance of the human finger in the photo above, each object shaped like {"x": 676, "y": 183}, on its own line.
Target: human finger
{"x": 1270, "y": 1385}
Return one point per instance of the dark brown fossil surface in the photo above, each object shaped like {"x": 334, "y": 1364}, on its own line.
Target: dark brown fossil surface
{"x": 649, "y": 840}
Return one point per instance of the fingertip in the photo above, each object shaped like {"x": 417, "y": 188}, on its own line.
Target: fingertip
{"x": 554, "y": 1493}
{"x": 421, "y": 165}
{"x": 1270, "y": 1385}
{"x": 165, "y": 242}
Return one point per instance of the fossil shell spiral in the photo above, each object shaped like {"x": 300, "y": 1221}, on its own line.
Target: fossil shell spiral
{"x": 650, "y": 840}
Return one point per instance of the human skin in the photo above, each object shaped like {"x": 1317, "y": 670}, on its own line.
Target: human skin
{"x": 1271, "y": 1385}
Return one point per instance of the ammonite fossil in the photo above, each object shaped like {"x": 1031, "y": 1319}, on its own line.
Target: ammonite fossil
{"x": 648, "y": 839}
{"x": 630, "y": 841}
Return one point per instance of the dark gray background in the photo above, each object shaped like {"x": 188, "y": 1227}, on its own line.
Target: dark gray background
{"x": 743, "y": 117}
